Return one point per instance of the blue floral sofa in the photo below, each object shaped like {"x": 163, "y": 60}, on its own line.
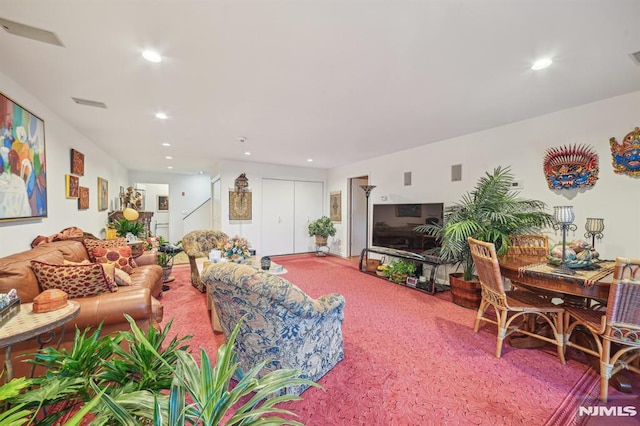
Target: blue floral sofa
{"x": 282, "y": 323}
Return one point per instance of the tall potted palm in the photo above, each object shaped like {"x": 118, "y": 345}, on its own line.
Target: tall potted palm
{"x": 490, "y": 212}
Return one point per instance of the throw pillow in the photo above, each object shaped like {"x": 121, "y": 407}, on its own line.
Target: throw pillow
{"x": 109, "y": 268}
{"x": 122, "y": 278}
{"x": 90, "y": 244}
{"x": 119, "y": 256}
{"x": 75, "y": 280}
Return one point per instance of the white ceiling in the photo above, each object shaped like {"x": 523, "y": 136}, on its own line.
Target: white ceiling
{"x": 337, "y": 81}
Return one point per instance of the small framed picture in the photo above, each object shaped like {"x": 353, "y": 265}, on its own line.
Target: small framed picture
{"x": 163, "y": 203}
{"x": 83, "y": 198}
{"x": 77, "y": 163}
{"x": 72, "y": 186}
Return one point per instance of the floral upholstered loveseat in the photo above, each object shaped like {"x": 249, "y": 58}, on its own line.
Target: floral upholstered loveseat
{"x": 283, "y": 324}
{"x": 198, "y": 244}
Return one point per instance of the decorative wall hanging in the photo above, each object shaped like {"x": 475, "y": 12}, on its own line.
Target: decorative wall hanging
{"x": 239, "y": 205}
{"x": 72, "y": 186}
{"x": 103, "y": 194}
{"x": 335, "y": 206}
{"x": 23, "y": 179}
{"x": 241, "y": 183}
{"x": 163, "y": 203}
{"x": 626, "y": 156}
{"x": 77, "y": 163}
{"x": 572, "y": 166}
{"x": 83, "y": 198}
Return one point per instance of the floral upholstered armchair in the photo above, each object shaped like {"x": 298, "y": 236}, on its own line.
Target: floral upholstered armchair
{"x": 198, "y": 244}
{"x": 282, "y": 323}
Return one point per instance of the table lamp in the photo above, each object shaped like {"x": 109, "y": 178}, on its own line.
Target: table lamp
{"x": 594, "y": 227}
{"x": 564, "y": 218}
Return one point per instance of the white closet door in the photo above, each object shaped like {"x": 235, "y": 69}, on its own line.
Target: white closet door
{"x": 277, "y": 217}
{"x": 308, "y": 207}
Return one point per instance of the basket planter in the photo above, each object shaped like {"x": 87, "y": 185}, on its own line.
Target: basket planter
{"x": 465, "y": 293}
{"x": 321, "y": 241}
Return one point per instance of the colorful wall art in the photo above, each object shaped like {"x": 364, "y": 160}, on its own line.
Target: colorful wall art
{"x": 103, "y": 194}
{"x": 626, "y": 156}
{"x": 571, "y": 166}
{"x": 77, "y": 163}
{"x": 23, "y": 178}
{"x": 83, "y": 198}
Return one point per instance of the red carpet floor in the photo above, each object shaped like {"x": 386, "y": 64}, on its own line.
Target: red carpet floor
{"x": 412, "y": 358}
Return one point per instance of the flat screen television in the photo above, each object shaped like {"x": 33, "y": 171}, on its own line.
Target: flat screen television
{"x": 393, "y": 225}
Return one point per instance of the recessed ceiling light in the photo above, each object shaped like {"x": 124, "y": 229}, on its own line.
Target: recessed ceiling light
{"x": 169, "y": 167}
{"x": 242, "y": 139}
{"x": 247, "y": 153}
{"x": 541, "y": 64}
{"x": 166, "y": 144}
{"x": 152, "y": 56}
{"x": 309, "y": 160}
{"x": 168, "y": 157}
{"x": 200, "y": 172}
{"x": 161, "y": 115}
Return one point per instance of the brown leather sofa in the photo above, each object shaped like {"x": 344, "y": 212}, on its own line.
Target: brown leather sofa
{"x": 140, "y": 300}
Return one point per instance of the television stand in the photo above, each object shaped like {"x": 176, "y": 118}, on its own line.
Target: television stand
{"x": 427, "y": 260}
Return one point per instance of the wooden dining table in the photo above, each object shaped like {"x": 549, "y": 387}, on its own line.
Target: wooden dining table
{"x": 534, "y": 273}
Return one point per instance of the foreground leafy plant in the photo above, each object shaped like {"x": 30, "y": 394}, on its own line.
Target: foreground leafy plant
{"x": 129, "y": 387}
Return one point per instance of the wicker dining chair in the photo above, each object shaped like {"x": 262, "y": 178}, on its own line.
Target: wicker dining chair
{"x": 517, "y": 310}
{"x": 524, "y": 244}
{"x": 617, "y": 330}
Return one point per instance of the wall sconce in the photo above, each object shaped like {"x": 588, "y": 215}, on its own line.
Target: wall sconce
{"x": 594, "y": 227}
{"x": 564, "y": 218}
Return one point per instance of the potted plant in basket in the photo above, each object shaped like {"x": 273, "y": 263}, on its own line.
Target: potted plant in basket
{"x": 400, "y": 269}
{"x": 490, "y": 212}
{"x": 322, "y": 229}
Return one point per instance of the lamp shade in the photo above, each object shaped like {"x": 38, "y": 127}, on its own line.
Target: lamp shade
{"x": 563, "y": 214}
{"x": 594, "y": 224}
{"x": 367, "y": 189}
{"x": 130, "y": 214}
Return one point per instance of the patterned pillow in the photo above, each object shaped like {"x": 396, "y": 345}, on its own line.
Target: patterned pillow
{"x": 75, "y": 280}
{"x": 119, "y": 256}
{"x": 121, "y": 277}
{"x": 109, "y": 269}
{"x": 90, "y": 244}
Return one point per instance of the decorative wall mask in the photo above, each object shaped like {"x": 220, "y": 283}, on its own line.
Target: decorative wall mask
{"x": 626, "y": 156}
{"x": 572, "y": 166}
{"x": 241, "y": 183}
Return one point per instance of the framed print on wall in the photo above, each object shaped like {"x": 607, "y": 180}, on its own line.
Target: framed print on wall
{"x": 77, "y": 162}
{"x": 163, "y": 203}
{"x": 408, "y": 210}
{"x": 23, "y": 179}
{"x": 239, "y": 205}
{"x": 72, "y": 186}
{"x": 103, "y": 194}
{"x": 83, "y": 198}
{"x": 335, "y": 206}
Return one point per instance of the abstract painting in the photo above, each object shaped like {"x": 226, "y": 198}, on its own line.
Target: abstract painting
{"x": 103, "y": 194}
{"x": 77, "y": 163}
{"x": 83, "y": 199}
{"x": 72, "y": 186}
{"x": 23, "y": 178}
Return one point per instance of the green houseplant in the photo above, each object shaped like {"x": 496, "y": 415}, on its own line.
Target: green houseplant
{"x": 149, "y": 380}
{"x": 490, "y": 212}
{"x": 400, "y": 269}
{"x": 322, "y": 229}
{"x": 124, "y": 226}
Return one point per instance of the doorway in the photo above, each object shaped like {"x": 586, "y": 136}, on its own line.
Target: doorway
{"x": 357, "y": 215}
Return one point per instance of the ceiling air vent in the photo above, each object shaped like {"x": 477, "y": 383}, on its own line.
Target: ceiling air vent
{"x": 636, "y": 57}
{"x": 87, "y": 102}
{"x": 30, "y": 32}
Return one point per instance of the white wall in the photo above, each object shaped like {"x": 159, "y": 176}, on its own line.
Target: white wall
{"x": 255, "y": 172}
{"x": 186, "y": 192}
{"x": 62, "y": 212}
{"x": 522, "y": 146}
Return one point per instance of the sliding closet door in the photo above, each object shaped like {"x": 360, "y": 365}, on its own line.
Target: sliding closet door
{"x": 308, "y": 207}
{"x": 277, "y": 217}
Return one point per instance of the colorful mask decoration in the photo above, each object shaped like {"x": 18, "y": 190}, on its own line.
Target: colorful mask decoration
{"x": 569, "y": 167}
{"x": 626, "y": 156}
